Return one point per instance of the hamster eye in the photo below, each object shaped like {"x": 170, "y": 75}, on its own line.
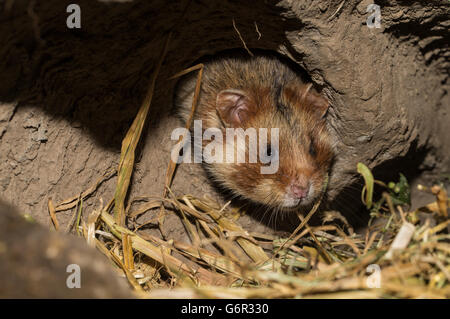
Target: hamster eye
{"x": 312, "y": 149}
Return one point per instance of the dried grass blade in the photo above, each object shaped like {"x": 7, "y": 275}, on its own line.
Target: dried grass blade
{"x": 51, "y": 210}
{"x": 155, "y": 253}
{"x": 220, "y": 262}
{"x": 255, "y": 252}
{"x": 72, "y": 202}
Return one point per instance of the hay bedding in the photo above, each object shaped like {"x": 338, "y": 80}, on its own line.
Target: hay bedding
{"x": 402, "y": 254}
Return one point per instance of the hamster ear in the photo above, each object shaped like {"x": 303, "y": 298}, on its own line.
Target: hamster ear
{"x": 233, "y": 107}
{"x": 315, "y": 101}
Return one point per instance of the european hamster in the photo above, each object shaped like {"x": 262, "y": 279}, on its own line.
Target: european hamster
{"x": 262, "y": 92}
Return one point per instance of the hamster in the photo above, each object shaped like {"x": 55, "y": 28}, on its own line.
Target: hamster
{"x": 262, "y": 92}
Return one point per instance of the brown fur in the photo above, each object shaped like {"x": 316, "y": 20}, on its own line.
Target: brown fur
{"x": 275, "y": 97}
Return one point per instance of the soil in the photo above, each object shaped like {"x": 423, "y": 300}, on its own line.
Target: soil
{"x": 36, "y": 263}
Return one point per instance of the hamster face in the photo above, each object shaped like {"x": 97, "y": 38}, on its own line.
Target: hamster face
{"x": 304, "y": 147}
{"x": 263, "y": 93}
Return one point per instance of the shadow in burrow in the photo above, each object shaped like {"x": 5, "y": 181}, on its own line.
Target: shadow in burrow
{"x": 96, "y": 77}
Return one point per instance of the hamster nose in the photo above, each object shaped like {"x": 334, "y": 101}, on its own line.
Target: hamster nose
{"x": 300, "y": 190}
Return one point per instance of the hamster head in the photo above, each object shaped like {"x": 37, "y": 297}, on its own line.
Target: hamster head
{"x": 302, "y": 155}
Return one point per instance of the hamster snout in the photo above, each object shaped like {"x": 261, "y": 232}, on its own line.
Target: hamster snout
{"x": 263, "y": 93}
{"x": 300, "y": 189}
